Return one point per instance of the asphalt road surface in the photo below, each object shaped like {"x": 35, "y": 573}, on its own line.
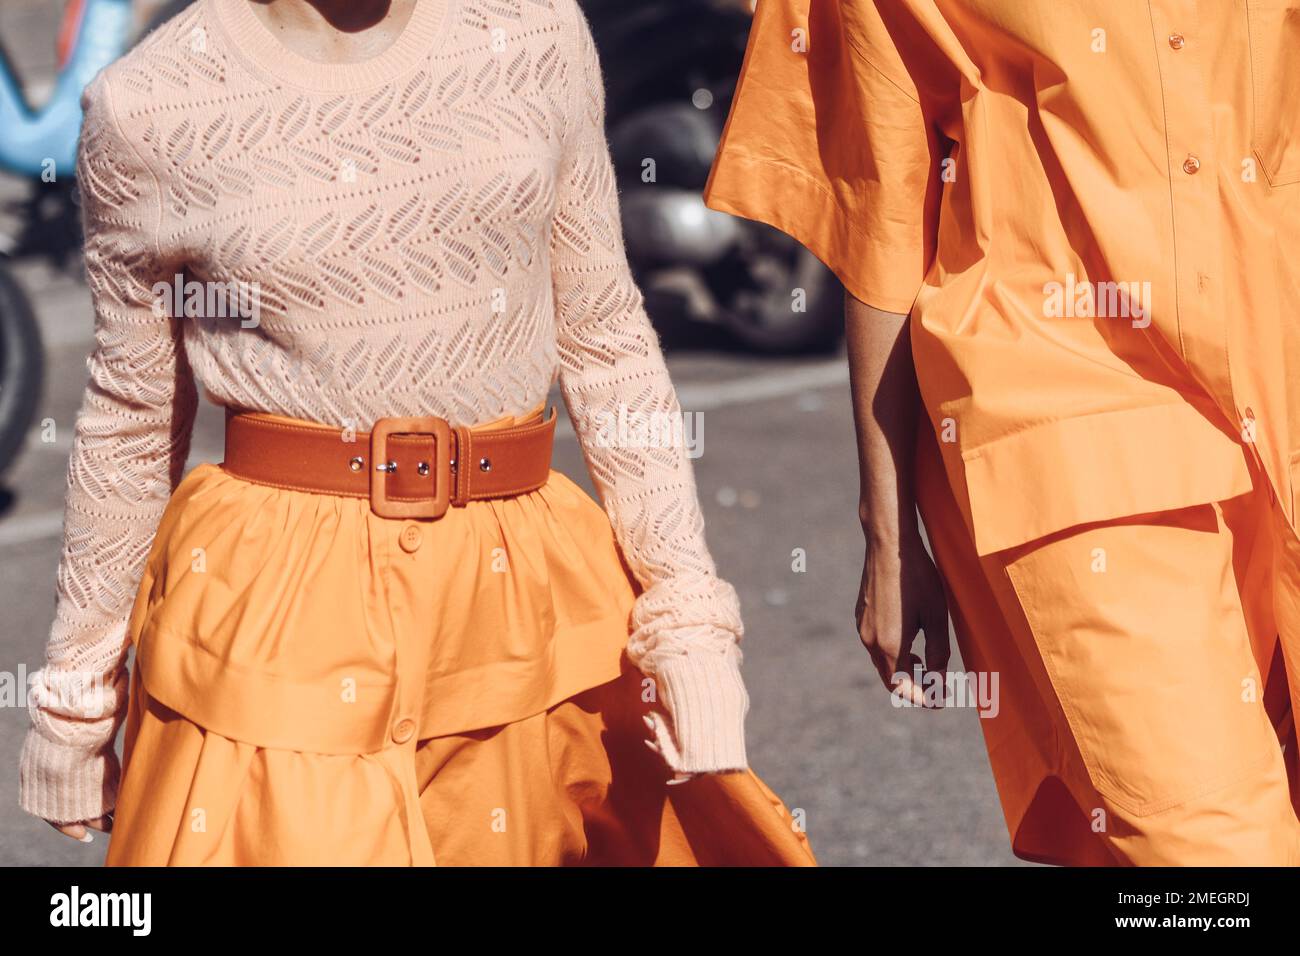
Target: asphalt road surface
{"x": 877, "y": 785}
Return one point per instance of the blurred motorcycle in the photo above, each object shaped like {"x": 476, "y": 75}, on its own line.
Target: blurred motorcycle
{"x": 670, "y": 72}
{"x": 40, "y": 145}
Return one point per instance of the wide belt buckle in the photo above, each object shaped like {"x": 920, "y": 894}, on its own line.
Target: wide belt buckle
{"x": 382, "y": 467}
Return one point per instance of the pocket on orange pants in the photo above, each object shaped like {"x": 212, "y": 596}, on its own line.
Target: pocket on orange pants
{"x": 1144, "y": 635}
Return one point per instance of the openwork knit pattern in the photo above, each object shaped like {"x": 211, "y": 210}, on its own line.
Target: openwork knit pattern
{"x": 443, "y": 240}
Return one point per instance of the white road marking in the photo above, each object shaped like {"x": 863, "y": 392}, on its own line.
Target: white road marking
{"x": 697, "y": 397}
{"x": 760, "y": 388}
{"x": 62, "y": 442}
{"x": 692, "y": 396}
{"x": 33, "y": 527}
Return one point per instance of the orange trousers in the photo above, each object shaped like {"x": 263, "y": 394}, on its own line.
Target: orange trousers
{"x": 316, "y": 685}
{"x": 1143, "y": 714}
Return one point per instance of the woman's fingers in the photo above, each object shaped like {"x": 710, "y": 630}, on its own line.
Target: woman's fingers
{"x": 661, "y": 742}
{"x": 904, "y": 682}
{"x": 898, "y": 681}
{"x": 899, "y": 598}
{"x": 76, "y": 831}
{"x": 903, "y": 672}
{"x": 659, "y": 731}
{"x": 80, "y": 831}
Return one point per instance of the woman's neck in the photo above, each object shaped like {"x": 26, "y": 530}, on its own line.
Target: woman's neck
{"x": 335, "y": 31}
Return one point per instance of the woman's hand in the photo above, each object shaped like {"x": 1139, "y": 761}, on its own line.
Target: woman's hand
{"x": 902, "y": 593}
{"x": 81, "y": 831}
{"x": 698, "y": 724}
{"x": 661, "y": 742}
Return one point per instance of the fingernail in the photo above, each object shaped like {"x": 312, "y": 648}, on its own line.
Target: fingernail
{"x": 649, "y": 721}
{"x": 88, "y": 837}
{"x": 652, "y": 745}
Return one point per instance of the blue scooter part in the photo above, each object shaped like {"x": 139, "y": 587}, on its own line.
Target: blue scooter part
{"x": 43, "y": 143}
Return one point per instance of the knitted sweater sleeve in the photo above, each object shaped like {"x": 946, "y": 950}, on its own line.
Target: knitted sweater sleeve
{"x": 686, "y": 621}
{"x": 129, "y": 448}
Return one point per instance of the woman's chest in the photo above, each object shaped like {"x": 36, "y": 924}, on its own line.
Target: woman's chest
{"x": 443, "y": 178}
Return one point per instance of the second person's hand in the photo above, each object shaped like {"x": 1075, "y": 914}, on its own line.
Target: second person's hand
{"x": 902, "y": 594}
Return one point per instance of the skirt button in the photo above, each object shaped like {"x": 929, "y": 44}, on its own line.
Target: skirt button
{"x": 410, "y": 538}
{"x": 403, "y": 730}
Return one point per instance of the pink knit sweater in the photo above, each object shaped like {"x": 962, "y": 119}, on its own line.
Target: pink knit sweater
{"x": 434, "y": 230}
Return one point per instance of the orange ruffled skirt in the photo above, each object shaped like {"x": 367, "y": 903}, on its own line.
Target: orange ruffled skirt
{"x": 316, "y": 685}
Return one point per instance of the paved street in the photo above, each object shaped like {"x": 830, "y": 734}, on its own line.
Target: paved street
{"x": 879, "y": 786}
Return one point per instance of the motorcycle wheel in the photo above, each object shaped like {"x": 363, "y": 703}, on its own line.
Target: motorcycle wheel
{"x": 775, "y": 296}
{"x": 22, "y": 365}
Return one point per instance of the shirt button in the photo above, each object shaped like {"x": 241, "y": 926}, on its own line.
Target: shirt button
{"x": 1190, "y": 165}
{"x": 403, "y": 730}
{"x": 410, "y": 538}
{"x": 1177, "y": 41}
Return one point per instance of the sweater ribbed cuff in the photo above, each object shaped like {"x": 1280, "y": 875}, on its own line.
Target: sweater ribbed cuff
{"x": 66, "y": 784}
{"x": 706, "y": 702}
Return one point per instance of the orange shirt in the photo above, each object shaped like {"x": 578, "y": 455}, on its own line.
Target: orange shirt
{"x": 1091, "y": 211}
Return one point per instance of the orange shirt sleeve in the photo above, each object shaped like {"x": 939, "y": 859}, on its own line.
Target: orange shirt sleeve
{"x": 828, "y": 142}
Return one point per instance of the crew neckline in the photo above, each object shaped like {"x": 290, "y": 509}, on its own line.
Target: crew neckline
{"x": 255, "y": 43}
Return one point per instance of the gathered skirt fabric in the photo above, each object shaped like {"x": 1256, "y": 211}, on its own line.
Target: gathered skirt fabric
{"x": 316, "y": 685}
